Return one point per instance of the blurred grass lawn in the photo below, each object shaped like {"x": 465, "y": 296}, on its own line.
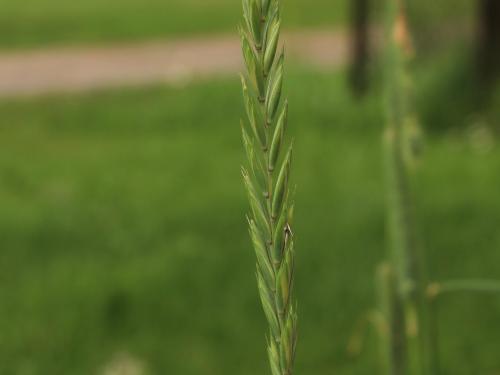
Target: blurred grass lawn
{"x": 37, "y": 22}
{"x": 123, "y": 229}
{"x": 34, "y": 23}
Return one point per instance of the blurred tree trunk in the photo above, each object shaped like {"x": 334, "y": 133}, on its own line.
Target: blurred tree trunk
{"x": 489, "y": 39}
{"x": 358, "y": 75}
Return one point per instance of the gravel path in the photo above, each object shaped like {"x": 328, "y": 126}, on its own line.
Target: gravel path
{"x": 43, "y": 71}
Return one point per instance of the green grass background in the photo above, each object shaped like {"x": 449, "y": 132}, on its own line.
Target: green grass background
{"x": 122, "y": 230}
{"x": 122, "y": 212}
{"x": 35, "y": 23}
{"x": 40, "y": 22}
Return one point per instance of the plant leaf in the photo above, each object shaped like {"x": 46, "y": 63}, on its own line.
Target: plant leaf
{"x": 281, "y": 185}
{"x": 272, "y": 38}
{"x": 278, "y": 137}
{"x": 253, "y": 115}
{"x": 274, "y": 89}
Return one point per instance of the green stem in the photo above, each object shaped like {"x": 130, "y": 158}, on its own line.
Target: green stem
{"x": 393, "y": 346}
{"x": 433, "y": 341}
{"x": 455, "y": 286}
{"x": 404, "y": 253}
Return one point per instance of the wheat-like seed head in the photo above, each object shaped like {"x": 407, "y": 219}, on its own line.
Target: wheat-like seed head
{"x": 267, "y": 177}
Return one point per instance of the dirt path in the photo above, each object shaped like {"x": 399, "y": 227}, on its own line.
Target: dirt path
{"x": 77, "y": 69}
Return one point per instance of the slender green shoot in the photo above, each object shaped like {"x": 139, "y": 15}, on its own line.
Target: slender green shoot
{"x": 401, "y": 136}
{"x": 392, "y": 338}
{"x": 437, "y": 289}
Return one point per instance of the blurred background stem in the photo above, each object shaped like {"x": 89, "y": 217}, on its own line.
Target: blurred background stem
{"x": 405, "y": 258}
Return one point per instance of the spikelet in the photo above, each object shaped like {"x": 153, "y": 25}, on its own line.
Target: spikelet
{"x": 267, "y": 179}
